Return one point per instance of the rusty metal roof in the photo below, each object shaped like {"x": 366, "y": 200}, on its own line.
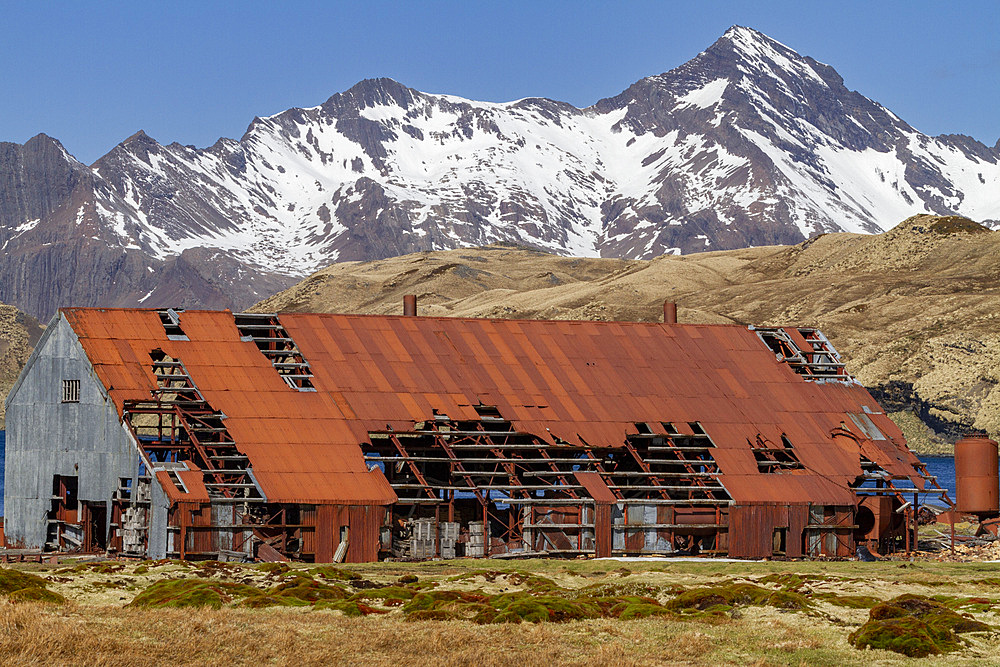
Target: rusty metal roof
{"x": 581, "y": 383}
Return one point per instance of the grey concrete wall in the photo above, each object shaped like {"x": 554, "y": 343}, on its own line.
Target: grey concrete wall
{"x": 46, "y": 437}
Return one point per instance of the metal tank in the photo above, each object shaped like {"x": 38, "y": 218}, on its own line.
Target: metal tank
{"x": 976, "y": 476}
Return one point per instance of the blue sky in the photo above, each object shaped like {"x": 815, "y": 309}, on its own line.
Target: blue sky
{"x": 91, "y": 74}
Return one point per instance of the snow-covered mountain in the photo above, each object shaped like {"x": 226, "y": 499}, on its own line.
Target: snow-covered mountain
{"x": 747, "y": 144}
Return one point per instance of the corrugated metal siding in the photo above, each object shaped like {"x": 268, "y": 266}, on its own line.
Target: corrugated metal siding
{"x": 46, "y": 437}
{"x": 365, "y": 521}
{"x": 751, "y": 529}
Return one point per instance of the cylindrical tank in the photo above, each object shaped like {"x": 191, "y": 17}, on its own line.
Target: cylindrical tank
{"x": 976, "y": 478}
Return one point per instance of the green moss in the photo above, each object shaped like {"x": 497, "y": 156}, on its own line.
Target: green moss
{"x": 104, "y": 567}
{"x": 273, "y": 568}
{"x": 629, "y": 610}
{"x": 628, "y": 589}
{"x": 347, "y": 607}
{"x": 512, "y": 577}
{"x": 140, "y": 569}
{"x": 389, "y": 592}
{"x": 930, "y": 611}
{"x": 965, "y": 604}
{"x": 914, "y": 625}
{"x": 790, "y": 581}
{"x": 522, "y": 610}
{"x": 908, "y": 635}
{"x": 521, "y": 606}
{"x": 308, "y": 590}
{"x": 561, "y": 609}
{"x": 36, "y": 594}
{"x": 716, "y": 599}
{"x": 14, "y": 580}
{"x": 407, "y": 579}
{"x": 438, "y": 599}
{"x": 849, "y": 601}
{"x": 787, "y": 600}
{"x": 191, "y": 593}
{"x": 330, "y": 572}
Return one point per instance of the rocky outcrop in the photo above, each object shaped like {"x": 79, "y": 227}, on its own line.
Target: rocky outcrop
{"x": 747, "y": 144}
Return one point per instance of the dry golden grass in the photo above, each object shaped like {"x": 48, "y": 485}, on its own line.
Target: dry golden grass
{"x": 39, "y": 634}
{"x": 96, "y": 628}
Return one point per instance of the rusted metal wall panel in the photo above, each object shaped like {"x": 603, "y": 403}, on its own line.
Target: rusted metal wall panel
{"x": 365, "y": 522}
{"x": 307, "y": 518}
{"x": 557, "y": 538}
{"x": 326, "y": 533}
{"x": 751, "y": 529}
{"x": 798, "y": 517}
{"x": 602, "y": 530}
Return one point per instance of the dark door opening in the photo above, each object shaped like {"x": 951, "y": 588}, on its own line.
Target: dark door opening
{"x": 778, "y": 543}
{"x": 94, "y": 517}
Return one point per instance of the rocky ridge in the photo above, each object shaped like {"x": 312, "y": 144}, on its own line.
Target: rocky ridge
{"x": 747, "y": 144}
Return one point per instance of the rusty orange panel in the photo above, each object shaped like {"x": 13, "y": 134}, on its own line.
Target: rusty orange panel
{"x": 594, "y": 379}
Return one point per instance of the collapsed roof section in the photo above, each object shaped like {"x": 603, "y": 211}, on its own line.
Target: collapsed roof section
{"x": 284, "y": 401}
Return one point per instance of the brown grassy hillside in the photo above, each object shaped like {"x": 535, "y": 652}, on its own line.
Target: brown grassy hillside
{"x": 18, "y": 334}
{"x": 915, "y": 311}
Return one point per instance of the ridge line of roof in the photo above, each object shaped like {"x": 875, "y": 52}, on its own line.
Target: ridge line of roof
{"x": 422, "y": 317}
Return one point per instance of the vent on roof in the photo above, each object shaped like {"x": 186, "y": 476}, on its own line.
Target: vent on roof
{"x": 265, "y": 331}
{"x": 806, "y": 350}
{"x": 171, "y": 320}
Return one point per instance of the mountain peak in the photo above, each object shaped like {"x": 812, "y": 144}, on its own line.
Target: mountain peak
{"x": 140, "y": 137}
{"x": 373, "y": 92}
{"x": 753, "y": 43}
{"x": 740, "y": 31}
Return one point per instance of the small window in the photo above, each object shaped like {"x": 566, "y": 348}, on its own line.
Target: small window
{"x": 71, "y": 391}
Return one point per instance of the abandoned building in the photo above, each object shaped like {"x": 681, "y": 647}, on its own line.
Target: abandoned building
{"x": 319, "y": 437}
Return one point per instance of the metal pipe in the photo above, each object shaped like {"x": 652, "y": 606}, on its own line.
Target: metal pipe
{"x": 669, "y": 312}
{"x": 410, "y": 305}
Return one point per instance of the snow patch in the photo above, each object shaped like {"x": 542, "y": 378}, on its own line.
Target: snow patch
{"x": 707, "y": 96}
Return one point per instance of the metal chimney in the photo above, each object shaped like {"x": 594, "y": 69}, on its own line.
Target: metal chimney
{"x": 669, "y": 312}
{"x": 410, "y": 305}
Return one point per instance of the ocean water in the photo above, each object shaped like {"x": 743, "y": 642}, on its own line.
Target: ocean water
{"x": 943, "y": 467}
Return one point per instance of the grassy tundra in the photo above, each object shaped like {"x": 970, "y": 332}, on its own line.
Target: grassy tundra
{"x": 500, "y": 612}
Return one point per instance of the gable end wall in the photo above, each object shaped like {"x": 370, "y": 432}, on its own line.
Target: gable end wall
{"x": 46, "y": 437}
